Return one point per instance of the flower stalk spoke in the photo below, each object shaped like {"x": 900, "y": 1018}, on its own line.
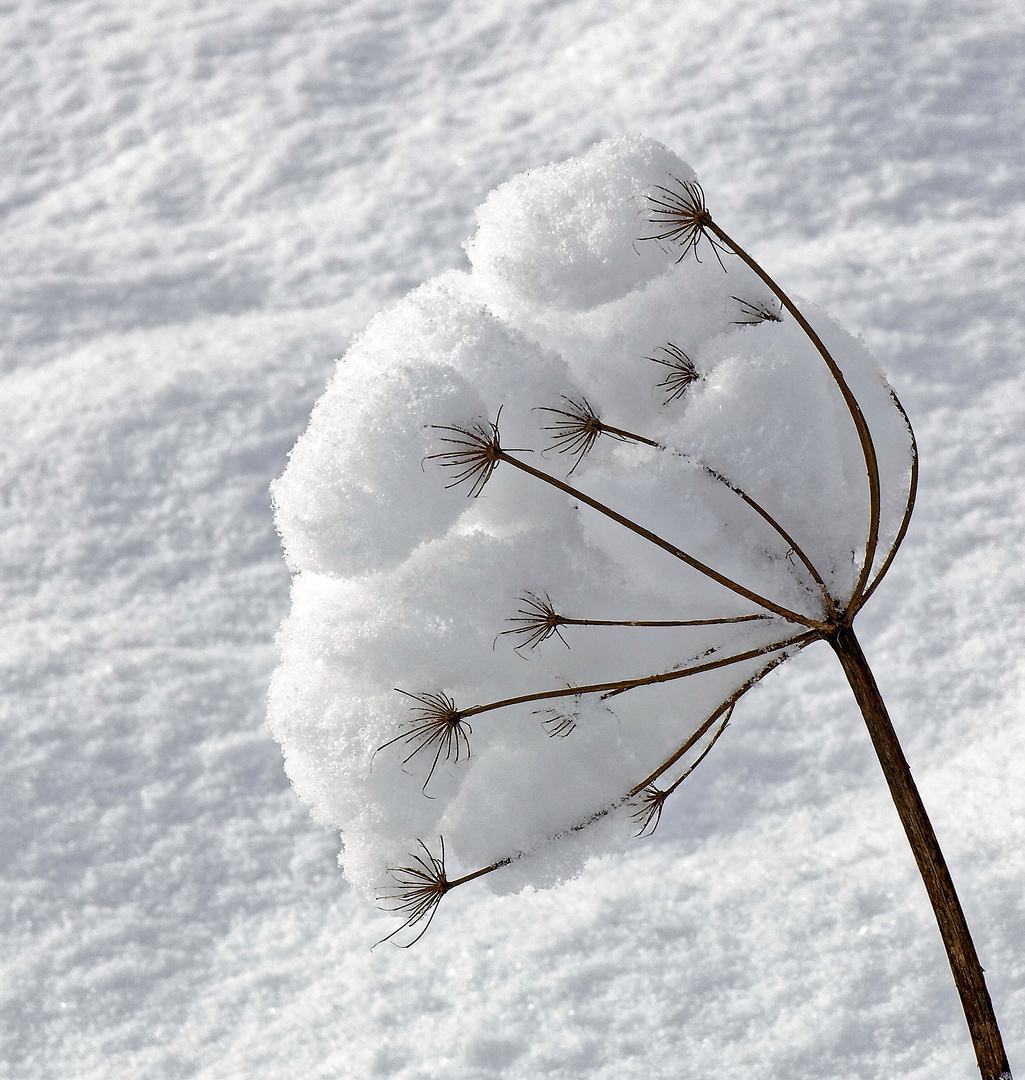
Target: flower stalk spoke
{"x": 537, "y": 621}
{"x": 696, "y": 564}
{"x": 621, "y": 686}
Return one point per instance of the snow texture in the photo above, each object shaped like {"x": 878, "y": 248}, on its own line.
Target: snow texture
{"x": 204, "y": 205}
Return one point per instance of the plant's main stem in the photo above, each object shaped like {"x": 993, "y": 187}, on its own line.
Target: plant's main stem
{"x": 964, "y": 962}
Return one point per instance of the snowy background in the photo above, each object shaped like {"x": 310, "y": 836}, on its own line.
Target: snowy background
{"x": 202, "y": 203}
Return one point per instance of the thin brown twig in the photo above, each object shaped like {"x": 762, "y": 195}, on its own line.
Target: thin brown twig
{"x": 683, "y": 556}
{"x": 851, "y": 402}
{"x": 909, "y": 505}
{"x": 796, "y": 548}
{"x": 582, "y": 426}
{"x": 653, "y": 798}
{"x": 634, "y": 791}
{"x": 539, "y": 621}
{"x": 710, "y": 720}
{"x": 482, "y": 454}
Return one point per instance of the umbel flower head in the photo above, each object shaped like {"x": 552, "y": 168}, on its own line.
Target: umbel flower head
{"x": 574, "y": 503}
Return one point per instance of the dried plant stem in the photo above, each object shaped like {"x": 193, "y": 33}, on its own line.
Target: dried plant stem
{"x": 580, "y": 429}
{"x": 860, "y": 423}
{"x": 764, "y": 514}
{"x": 419, "y": 894}
{"x": 964, "y": 962}
{"x": 757, "y": 507}
{"x": 621, "y": 686}
{"x": 701, "y": 757}
{"x": 654, "y": 798}
{"x": 564, "y": 621}
{"x": 724, "y": 708}
{"x": 598, "y": 426}
{"x": 908, "y": 509}
{"x": 735, "y": 586}
{"x": 479, "y": 873}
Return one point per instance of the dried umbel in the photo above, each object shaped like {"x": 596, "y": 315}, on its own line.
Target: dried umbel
{"x": 634, "y": 554}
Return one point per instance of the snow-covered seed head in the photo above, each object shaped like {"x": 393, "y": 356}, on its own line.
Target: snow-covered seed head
{"x": 681, "y": 371}
{"x": 437, "y": 724}
{"x": 681, "y": 218}
{"x": 417, "y": 891}
{"x": 476, "y": 454}
{"x": 536, "y": 621}
{"x": 760, "y": 545}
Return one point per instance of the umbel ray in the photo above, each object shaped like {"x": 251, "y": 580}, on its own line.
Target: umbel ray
{"x": 441, "y": 731}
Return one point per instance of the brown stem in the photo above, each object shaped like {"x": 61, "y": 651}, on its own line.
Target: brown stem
{"x": 564, "y": 621}
{"x": 726, "y": 706}
{"x": 704, "y": 753}
{"x": 612, "y": 689}
{"x": 478, "y": 873}
{"x": 729, "y": 583}
{"x": 909, "y": 505}
{"x": 764, "y": 514}
{"x": 767, "y": 517}
{"x": 620, "y": 433}
{"x": 860, "y": 423}
{"x": 964, "y": 962}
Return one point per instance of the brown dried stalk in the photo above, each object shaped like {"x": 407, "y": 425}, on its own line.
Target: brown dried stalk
{"x": 653, "y": 798}
{"x": 538, "y": 621}
{"x": 682, "y": 371}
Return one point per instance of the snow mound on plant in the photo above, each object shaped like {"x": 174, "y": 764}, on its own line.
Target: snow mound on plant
{"x": 404, "y": 587}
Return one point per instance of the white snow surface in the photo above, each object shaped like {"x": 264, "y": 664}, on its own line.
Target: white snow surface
{"x": 203, "y": 206}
